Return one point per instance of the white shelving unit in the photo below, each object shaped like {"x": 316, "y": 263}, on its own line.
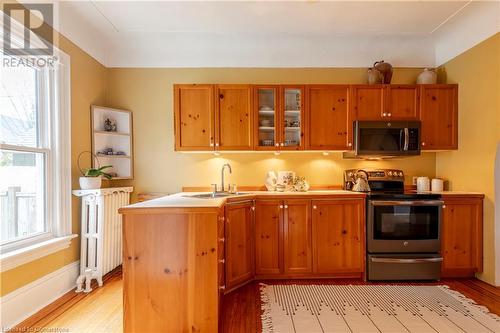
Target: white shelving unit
{"x": 120, "y": 140}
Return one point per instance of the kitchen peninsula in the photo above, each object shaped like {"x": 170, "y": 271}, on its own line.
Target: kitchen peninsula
{"x": 182, "y": 253}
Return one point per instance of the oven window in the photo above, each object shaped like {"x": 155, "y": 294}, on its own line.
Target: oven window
{"x": 406, "y": 222}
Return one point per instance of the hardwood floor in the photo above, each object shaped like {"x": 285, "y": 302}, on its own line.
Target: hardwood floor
{"x": 101, "y": 310}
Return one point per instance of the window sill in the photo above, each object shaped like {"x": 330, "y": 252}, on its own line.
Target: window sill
{"x": 22, "y": 256}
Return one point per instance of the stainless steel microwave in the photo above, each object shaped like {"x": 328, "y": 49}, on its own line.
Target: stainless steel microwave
{"x": 386, "y": 139}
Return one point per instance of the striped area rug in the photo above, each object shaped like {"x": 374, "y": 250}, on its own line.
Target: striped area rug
{"x": 372, "y": 308}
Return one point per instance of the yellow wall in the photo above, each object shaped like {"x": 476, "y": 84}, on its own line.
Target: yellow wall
{"x": 88, "y": 86}
{"x": 148, "y": 93}
{"x": 471, "y": 167}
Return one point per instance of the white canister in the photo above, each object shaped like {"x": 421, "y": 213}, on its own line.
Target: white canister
{"x": 437, "y": 185}
{"x": 284, "y": 174}
{"x": 423, "y": 184}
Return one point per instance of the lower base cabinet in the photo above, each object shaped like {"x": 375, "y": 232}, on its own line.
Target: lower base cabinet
{"x": 462, "y": 236}
{"x": 338, "y": 228}
{"x": 309, "y": 238}
{"x": 239, "y": 243}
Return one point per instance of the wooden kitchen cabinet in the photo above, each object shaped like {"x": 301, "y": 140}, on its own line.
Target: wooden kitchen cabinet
{"x": 194, "y": 117}
{"x": 268, "y": 240}
{"x": 297, "y": 236}
{"x": 170, "y": 270}
{"x": 402, "y": 102}
{"x": 329, "y": 123}
{"x": 239, "y": 242}
{"x": 462, "y": 236}
{"x": 367, "y": 102}
{"x": 233, "y": 118}
{"x": 338, "y": 236}
{"x": 279, "y": 114}
{"x": 439, "y": 116}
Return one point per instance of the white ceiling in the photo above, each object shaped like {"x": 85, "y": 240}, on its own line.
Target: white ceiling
{"x": 261, "y": 33}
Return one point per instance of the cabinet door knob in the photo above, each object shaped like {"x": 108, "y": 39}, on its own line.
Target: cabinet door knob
{"x": 277, "y": 144}
{"x": 222, "y": 240}
{"x": 286, "y": 206}
{"x": 314, "y": 207}
{"x": 389, "y": 114}
{"x": 222, "y": 287}
{"x": 281, "y": 206}
{"x": 384, "y": 114}
{"x": 222, "y": 261}
{"x": 281, "y": 144}
{"x": 349, "y": 144}
{"x": 217, "y": 144}
{"x": 444, "y": 206}
{"x": 253, "y": 207}
{"x": 423, "y": 143}
{"x": 211, "y": 144}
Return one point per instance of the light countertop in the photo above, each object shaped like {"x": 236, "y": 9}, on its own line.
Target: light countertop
{"x": 183, "y": 199}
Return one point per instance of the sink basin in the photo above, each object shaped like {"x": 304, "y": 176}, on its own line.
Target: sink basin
{"x": 214, "y": 195}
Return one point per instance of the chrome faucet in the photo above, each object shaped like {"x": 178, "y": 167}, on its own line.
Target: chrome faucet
{"x": 222, "y": 174}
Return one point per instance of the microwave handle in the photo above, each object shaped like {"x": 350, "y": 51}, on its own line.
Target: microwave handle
{"x": 407, "y": 138}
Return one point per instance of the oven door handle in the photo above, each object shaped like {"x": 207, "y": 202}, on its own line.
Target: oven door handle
{"x": 407, "y": 139}
{"x": 405, "y": 261}
{"x": 407, "y": 202}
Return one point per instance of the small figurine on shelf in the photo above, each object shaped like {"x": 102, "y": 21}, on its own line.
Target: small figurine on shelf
{"x": 109, "y": 125}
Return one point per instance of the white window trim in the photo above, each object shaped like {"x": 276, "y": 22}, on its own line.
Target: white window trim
{"x": 58, "y": 180}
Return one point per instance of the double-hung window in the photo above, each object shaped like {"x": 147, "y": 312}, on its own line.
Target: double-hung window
{"x": 35, "y": 161}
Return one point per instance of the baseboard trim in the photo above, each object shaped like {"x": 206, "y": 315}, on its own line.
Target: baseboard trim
{"x": 29, "y": 299}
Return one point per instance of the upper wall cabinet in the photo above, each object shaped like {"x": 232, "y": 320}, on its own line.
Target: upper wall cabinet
{"x": 439, "y": 116}
{"x": 233, "y": 118}
{"x": 329, "y": 125}
{"x": 367, "y": 102}
{"x": 385, "y": 102}
{"x": 279, "y": 113}
{"x": 401, "y": 102}
{"x": 194, "y": 117}
{"x": 213, "y": 117}
{"x": 312, "y": 117}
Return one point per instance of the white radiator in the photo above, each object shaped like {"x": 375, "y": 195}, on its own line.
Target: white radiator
{"x": 101, "y": 233}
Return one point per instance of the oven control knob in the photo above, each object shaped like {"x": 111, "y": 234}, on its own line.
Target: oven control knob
{"x": 389, "y": 173}
{"x": 400, "y": 174}
{"x": 405, "y": 243}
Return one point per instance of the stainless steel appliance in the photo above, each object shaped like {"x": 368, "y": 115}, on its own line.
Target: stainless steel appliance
{"x": 403, "y": 229}
{"x": 385, "y": 139}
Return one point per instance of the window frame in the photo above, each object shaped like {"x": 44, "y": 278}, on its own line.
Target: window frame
{"x": 54, "y": 128}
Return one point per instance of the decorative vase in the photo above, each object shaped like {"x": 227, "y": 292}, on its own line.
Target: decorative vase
{"x": 374, "y": 76}
{"x": 271, "y": 181}
{"x": 90, "y": 183}
{"x": 428, "y": 76}
{"x": 386, "y": 69}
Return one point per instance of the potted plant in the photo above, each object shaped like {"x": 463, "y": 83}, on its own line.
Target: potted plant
{"x": 92, "y": 177}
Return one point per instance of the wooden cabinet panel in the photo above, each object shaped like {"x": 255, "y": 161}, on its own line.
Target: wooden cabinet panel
{"x": 461, "y": 236}
{"x": 234, "y": 117}
{"x": 368, "y": 102}
{"x": 268, "y": 240}
{"x": 402, "y": 102}
{"x": 239, "y": 244}
{"x": 338, "y": 236}
{"x": 194, "y": 117}
{"x": 170, "y": 272}
{"x": 328, "y": 118}
{"x": 438, "y": 113}
{"x": 297, "y": 236}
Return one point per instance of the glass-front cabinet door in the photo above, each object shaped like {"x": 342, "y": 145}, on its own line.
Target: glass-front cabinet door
{"x": 292, "y": 117}
{"x": 267, "y": 125}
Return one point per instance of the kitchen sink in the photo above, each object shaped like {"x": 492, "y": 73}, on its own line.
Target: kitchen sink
{"x": 214, "y": 195}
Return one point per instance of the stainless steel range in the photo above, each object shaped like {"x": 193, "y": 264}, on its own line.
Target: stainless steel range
{"x": 403, "y": 229}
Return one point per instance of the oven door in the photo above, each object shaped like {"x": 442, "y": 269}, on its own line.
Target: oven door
{"x": 406, "y": 226}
